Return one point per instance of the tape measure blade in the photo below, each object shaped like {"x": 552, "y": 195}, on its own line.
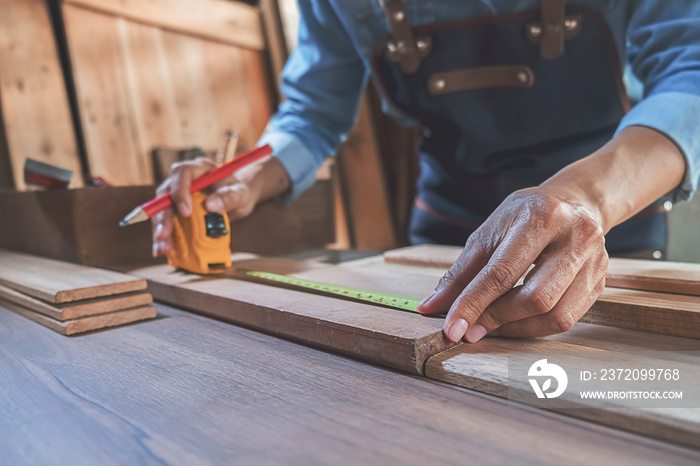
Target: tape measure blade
{"x": 392, "y": 301}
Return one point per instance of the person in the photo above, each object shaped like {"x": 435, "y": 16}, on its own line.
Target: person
{"x": 532, "y": 150}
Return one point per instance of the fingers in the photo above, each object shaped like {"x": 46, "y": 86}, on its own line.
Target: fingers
{"x": 542, "y": 290}
{"x": 520, "y": 248}
{"x": 236, "y": 199}
{"x": 574, "y": 303}
{"x": 183, "y": 175}
{"x": 471, "y": 260}
{"x": 162, "y": 232}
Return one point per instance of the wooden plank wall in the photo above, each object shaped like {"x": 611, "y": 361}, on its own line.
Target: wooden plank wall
{"x": 164, "y": 74}
{"x": 34, "y": 104}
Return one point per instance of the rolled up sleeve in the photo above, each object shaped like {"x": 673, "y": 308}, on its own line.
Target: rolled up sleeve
{"x": 664, "y": 51}
{"x": 322, "y": 83}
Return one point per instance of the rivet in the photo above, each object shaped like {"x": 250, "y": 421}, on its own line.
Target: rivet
{"x": 421, "y": 44}
{"x": 535, "y": 31}
{"x": 399, "y": 16}
{"x": 401, "y": 46}
{"x": 657, "y": 254}
{"x": 571, "y": 24}
{"x": 391, "y": 47}
{"x": 668, "y": 206}
{"x": 523, "y": 77}
{"x": 439, "y": 84}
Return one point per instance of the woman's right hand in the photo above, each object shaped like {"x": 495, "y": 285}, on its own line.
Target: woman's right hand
{"x": 228, "y": 195}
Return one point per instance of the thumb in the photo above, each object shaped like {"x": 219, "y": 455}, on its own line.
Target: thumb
{"x": 226, "y": 198}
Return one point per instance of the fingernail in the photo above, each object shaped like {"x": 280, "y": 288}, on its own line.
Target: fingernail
{"x": 476, "y": 333}
{"x": 159, "y": 230}
{"x": 456, "y": 331}
{"x": 427, "y": 299}
{"x": 155, "y": 249}
{"x": 215, "y": 204}
{"x": 184, "y": 209}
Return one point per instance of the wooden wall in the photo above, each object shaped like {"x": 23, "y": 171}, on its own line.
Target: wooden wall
{"x": 33, "y": 101}
{"x": 164, "y": 73}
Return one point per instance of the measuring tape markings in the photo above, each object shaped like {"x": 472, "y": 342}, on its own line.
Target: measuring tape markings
{"x": 405, "y": 303}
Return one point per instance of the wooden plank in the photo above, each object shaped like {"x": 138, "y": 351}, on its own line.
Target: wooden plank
{"x": 85, "y": 324}
{"x": 236, "y": 391}
{"x": 76, "y": 310}
{"x": 647, "y": 275}
{"x": 667, "y": 277}
{"x": 365, "y": 192}
{"x": 61, "y": 282}
{"x": 424, "y": 255}
{"x": 668, "y": 314}
{"x": 103, "y": 99}
{"x": 484, "y": 367}
{"x": 33, "y": 100}
{"x": 397, "y": 339}
{"x": 278, "y": 51}
{"x": 229, "y": 22}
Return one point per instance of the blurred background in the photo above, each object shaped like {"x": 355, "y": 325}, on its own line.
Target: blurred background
{"x": 117, "y": 91}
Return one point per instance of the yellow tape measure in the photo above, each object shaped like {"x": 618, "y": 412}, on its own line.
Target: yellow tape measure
{"x": 395, "y": 301}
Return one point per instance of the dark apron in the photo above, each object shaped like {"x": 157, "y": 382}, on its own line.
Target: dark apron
{"x": 548, "y": 85}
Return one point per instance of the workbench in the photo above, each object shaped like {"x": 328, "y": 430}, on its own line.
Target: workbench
{"x": 187, "y": 389}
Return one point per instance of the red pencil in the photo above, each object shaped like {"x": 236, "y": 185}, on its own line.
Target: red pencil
{"x": 159, "y": 204}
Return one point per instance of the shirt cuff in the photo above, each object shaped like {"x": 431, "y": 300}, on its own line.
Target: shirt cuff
{"x": 296, "y": 159}
{"x": 676, "y": 115}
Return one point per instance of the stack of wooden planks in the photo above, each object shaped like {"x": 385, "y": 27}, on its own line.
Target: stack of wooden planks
{"x": 69, "y": 298}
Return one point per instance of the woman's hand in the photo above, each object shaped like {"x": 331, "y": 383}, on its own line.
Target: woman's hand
{"x": 228, "y": 195}
{"x": 549, "y": 227}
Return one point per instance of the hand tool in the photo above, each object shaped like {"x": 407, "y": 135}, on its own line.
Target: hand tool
{"x": 159, "y": 204}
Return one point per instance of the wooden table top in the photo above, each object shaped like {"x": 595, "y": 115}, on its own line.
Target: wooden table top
{"x": 185, "y": 389}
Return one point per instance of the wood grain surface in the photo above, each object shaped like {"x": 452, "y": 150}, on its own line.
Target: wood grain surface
{"x": 85, "y": 324}
{"x": 61, "y": 282}
{"x": 77, "y": 309}
{"x": 219, "y": 20}
{"x": 397, "y": 339}
{"x": 484, "y": 367}
{"x": 669, "y": 314}
{"x": 33, "y": 100}
{"x": 184, "y": 389}
{"x": 667, "y": 277}
{"x": 157, "y": 87}
{"x": 647, "y": 275}
{"x": 425, "y": 255}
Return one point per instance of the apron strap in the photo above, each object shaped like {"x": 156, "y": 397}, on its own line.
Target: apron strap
{"x": 552, "y": 42}
{"x": 403, "y": 47}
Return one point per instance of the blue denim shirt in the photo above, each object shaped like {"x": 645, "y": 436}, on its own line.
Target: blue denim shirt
{"x": 657, "y": 40}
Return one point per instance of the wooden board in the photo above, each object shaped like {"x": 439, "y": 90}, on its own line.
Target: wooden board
{"x": 33, "y": 99}
{"x": 667, "y": 277}
{"x": 205, "y": 392}
{"x": 78, "y": 309}
{"x": 664, "y": 313}
{"x": 647, "y": 275}
{"x": 484, "y": 367}
{"x": 85, "y": 324}
{"x": 159, "y": 88}
{"x": 425, "y": 255}
{"x": 397, "y": 339}
{"x": 364, "y": 186}
{"x": 103, "y": 100}
{"x": 61, "y": 282}
{"x": 229, "y": 22}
